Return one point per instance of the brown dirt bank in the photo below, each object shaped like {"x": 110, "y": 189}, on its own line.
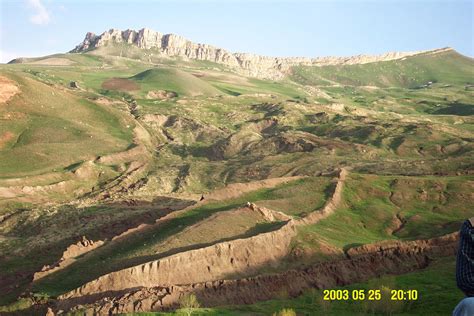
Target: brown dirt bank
{"x": 8, "y": 89}
{"x": 365, "y": 262}
{"x": 120, "y": 84}
{"x": 5, "y": 138}
{"x": 75, "y": 250}
{"x": 214, "y": 262}
{"x": 200, "y": 265}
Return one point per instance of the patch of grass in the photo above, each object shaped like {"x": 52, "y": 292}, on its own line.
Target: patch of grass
{"x": 293, "y": 199}
{"x": 369, "y": 209}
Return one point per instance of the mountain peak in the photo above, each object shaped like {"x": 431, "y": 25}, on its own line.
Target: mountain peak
{"x": 172, "y": 45}
{"x": 144, "y": 38}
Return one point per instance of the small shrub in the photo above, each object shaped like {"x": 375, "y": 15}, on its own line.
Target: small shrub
{"x": 285, "y": 312}
{"x": 188, "y": 304}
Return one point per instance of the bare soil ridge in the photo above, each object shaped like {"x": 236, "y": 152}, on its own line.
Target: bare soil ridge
{"x": 330, "y": 206}
{"x": 210, "y": 263}
{"x": 75, "y": 250}
{"x": 200, "y": 265}
{"x": 365, "y": 262}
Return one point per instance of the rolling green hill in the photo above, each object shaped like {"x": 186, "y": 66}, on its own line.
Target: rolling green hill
{"x": 448, "y": 67}
{"x": 170, "y": 79}
{"x": 53, "y": 128}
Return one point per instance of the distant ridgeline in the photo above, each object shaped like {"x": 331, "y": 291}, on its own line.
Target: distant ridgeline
{"x": 171, "y": 45}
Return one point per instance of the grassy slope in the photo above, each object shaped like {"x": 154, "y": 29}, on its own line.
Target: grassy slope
{"x": 371, "y": 202}
{"x": 293, "y": 199}
{"x": 446, "y": 67}
{"x": 175, "y": 80}
{"x": 54, "y": 121}
{"x": 367, "y": 210}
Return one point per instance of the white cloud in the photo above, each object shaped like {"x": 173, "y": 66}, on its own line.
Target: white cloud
{"x": 41, "y": 16}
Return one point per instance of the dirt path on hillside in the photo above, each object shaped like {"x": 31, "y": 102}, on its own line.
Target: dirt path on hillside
{"x": 54, "y": 61}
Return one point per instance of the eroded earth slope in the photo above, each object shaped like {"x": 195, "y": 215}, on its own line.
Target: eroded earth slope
{"x": 142, "y": 167}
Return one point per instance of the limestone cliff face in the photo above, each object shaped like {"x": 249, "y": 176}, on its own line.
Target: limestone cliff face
{"x": 172, "y": 45}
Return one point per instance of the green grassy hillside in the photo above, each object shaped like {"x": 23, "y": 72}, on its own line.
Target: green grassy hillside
{"x": 447, "y": 67}
{"x": 53, "y": 129}
{"x": 181, "y": 82}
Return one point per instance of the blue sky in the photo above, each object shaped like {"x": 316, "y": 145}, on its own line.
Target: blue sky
{"x": 275, "y": 28}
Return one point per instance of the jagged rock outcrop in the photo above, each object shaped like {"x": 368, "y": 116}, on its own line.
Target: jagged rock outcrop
{"x": 247, "y": 64}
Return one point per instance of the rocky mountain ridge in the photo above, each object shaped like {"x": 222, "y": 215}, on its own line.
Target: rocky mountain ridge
{"x": 171, "y": 45}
